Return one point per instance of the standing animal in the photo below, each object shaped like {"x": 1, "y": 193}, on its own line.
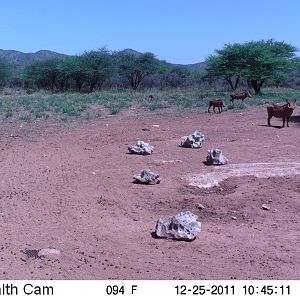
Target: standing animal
{"x": 281, "y": 111}
{"x": 220, "y": 103}
{"x": 242, "y": 96}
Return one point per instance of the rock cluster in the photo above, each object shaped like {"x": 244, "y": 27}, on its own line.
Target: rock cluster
{"x": 141, "y": 148}
{"x": 194, "y": 140}
{"x": 183, "y": 226}
{"x": 147, "y": 177}
{"x": 216, "y": 157}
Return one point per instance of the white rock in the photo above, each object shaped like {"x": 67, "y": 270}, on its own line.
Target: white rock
{"x": 265, "y": 207}
{"x": 183, "y": 226}
{"x": 200, "y": 206}
{"x": 216, "y": 157}
{"x": 147, "y": 176}
{"x": 141, "y": 148}
{"x": 194, "y": 140}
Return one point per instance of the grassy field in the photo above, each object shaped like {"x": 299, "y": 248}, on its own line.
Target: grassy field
{"x": 17, "y": 104}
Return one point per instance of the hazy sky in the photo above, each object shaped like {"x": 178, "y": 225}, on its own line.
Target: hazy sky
{"x": 179, "y": 31}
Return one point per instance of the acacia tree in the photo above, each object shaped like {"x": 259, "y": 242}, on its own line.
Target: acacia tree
{"x": 176, "y": 76}
{"x": 72, "y": 68}
{"x": 253, "y": 61}
{"x": 43, "y": 74}
{"x": 226, "y": 64}
{"x": 136, "y": 67}
{"x": 98, "y": 67}
{"x": 266, "y": 60}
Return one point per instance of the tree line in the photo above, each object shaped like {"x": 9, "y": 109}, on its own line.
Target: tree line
{"x": 253, "y": 63}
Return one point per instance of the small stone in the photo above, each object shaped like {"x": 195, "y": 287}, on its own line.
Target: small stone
{"x": 233, "y": 217}
{"x": 48, "y": 252}
{"x": 200, "y": 206}
{"x": 265, "y": 207}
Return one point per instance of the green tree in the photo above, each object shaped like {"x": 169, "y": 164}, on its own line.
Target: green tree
{"x": 5, "y": 71}
{"x": 296, "y": 63}
{"x": 136, "y": 67}
{"x": 226, "y": 64}
{"x": 255, "y": 62}
{"x": 72, "y": 68}
{"x": 43, "y": 74}
{"x": 176, "y": 76}
{"x": 98, "y": 67}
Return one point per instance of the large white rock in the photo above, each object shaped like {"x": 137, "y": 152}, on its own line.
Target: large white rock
{"x": 194, "y": 140}
{"x": 148, "y": 177}
{"x": 183, "y": 226}
{"x": 216, "y": 157}
{"x": 141, "y": 148}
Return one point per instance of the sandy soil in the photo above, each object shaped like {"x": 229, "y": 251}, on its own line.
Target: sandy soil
{"x": 71, "y": 188}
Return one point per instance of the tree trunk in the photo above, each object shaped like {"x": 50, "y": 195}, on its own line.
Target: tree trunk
{"x": 78, "y": 85}
{"x": 228, "y": 79}
{"x": 256, "y": 85}
{"x": 233, "y": 85}
{"x": 236, "y": 82}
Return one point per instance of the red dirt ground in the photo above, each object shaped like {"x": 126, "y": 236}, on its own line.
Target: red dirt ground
{"x": 70, "y": 187}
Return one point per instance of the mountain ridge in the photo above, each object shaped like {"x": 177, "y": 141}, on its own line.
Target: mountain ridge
{"x": 22, "y": 59}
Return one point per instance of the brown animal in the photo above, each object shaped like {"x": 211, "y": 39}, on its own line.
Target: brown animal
{"x": 242, "y": 96}
{"x": 282, "y": 111}
{"x": 217, "y": 103}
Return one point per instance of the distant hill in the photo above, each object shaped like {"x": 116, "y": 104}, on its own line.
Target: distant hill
{"x": 197, "y": 66}
{"x": 21, "y": 60}
{"x": 130, "y": 51}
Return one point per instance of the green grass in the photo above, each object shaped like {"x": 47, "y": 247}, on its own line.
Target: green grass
{"x": 62, "y": 106}
{"x": 26, "y": 118}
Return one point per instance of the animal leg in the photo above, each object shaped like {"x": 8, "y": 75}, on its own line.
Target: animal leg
{"x": 269, "y": 120}
{"x": 283, "y": 119}
{"x": 214, "y": 109}
{"x": 209, "y": 108}
{"x": 287, "y": 121}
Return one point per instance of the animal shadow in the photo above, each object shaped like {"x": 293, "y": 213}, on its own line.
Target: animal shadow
{"x": 274, "y": 126}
